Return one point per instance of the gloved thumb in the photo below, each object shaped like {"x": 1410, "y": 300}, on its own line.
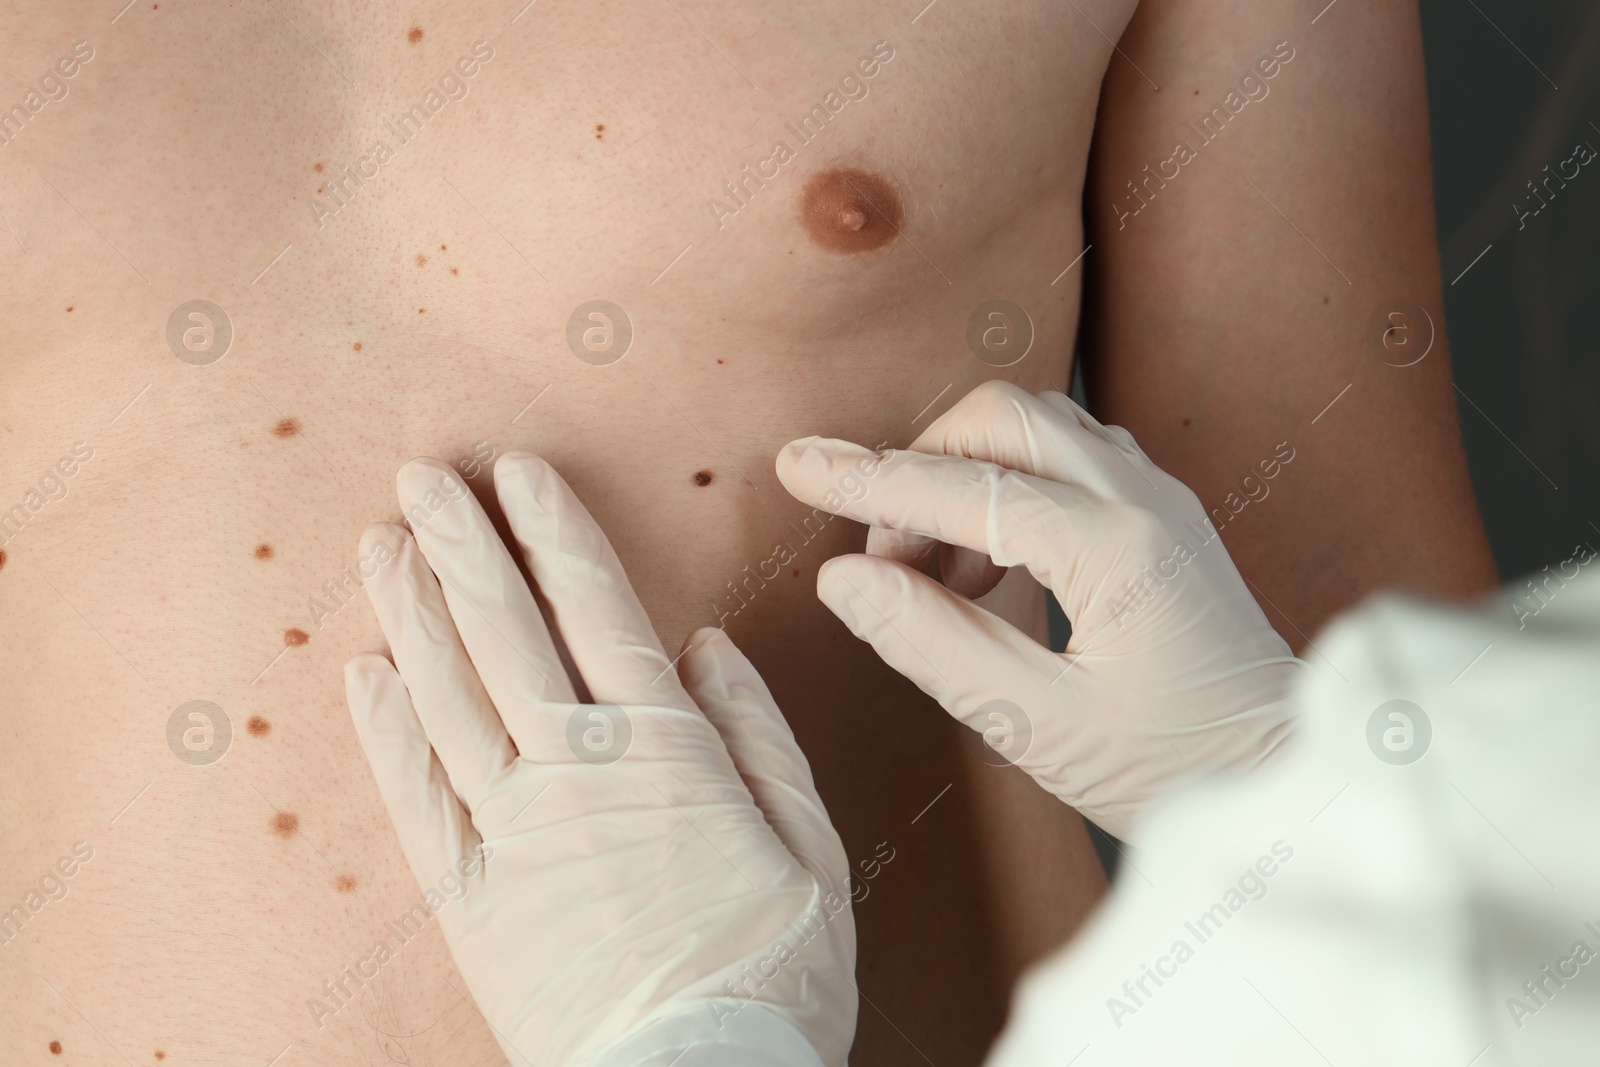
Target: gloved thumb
{"x": 737, "y": 702}
{"x": 954, "y": 650}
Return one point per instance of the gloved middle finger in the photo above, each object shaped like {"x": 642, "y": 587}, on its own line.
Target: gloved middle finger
{"x": 493, "y": 609}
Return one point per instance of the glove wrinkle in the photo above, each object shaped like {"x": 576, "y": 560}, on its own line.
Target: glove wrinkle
{"x": 1171, "y": 663}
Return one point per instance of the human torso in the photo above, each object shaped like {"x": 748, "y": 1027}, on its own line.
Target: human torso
{"x": 434, "y": 296}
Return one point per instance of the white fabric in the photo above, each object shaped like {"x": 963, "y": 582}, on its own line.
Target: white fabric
{"x": 1407, "y": 904}
{"x": 657, "y": 851}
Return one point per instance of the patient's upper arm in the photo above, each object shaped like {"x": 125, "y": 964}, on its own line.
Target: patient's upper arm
{"x": 1242, "y": 284}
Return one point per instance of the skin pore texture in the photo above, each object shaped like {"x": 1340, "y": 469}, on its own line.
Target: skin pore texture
{"x": 436, "y": 299}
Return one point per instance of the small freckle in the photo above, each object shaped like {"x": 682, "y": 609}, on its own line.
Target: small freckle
{"x": 317, "y": 168}
{"x": 295, "y": 638}
{"x": 453, "y": 270}
{"x": 286, "y": 428}
{"x": 415, "y": 35}
{"x": 2, "y": 558}
{"x": 702, "y": 478}
{"x": 160, "y": 1055}
{"x": 720, "y": 362}
{"x": 345, "y": 883}
{"x": 1186, "y": 422}
{"x": 1197, "y": 92}
{"x": 319, "y": 190}
{"x": 797, "y": 572}
{"x": 285, "y": 823}
{"x": 356, "y": 346}
{"x": 69, "y": 309}
{"x": 1324, "y": 300}
{"x": 422, "y": 311}
{"x": 258, "y": 726}
{"x": 263, "y": 551}
{"x": 422, "y": 260}
{"x": 55, "y": 1047}
{"x": 443, "y": 248}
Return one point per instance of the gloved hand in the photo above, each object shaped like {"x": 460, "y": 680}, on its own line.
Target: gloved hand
{"x": 1172, "y": 669}
{"x": 658, "y": 856}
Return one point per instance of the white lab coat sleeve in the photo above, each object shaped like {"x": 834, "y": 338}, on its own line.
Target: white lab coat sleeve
{"x": 1409, "y": 883}
{"x": 752, "y": 1037}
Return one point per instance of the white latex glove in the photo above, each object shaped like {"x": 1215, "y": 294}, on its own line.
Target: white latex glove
{"x": 1172, "y": 669}
{"x": 632, "y": 866}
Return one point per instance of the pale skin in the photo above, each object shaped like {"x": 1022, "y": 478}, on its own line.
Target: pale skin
{"x": 182, "y": 162}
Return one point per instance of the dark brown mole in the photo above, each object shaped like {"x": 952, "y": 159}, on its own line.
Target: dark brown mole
{"x": 258, "y": 726}
{"x": 55, "y": 1046}
{"x": 263, "y": 551}
{"x": 422, "y": 311}
{"x": 69, "y": 309}
{"x": 443, "y": 248}
{"x": 849, "y": 210}
{"x": 702, "y": 478}
{"x": 2, "y": 558}
{"x": 1186, "y": 422}
{"x": 295, "y": 638}
{"x": 284, "y": 824}
{"x": 345, "y": 883}
{"x": 415, "y": 35}
{"x": 286, "y": 428}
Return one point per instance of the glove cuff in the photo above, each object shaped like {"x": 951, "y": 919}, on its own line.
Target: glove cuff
{"x": 754, "y": 1037}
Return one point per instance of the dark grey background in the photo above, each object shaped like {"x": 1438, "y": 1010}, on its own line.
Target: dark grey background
{"x": 1523, "y": 321}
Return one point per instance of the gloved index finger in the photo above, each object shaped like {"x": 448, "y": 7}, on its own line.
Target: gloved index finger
{"x": 1047, "y": 435}
{"x": 1010, "y": 517}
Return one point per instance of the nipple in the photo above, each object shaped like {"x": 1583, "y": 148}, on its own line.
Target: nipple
{"x": 848, "y": 210}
